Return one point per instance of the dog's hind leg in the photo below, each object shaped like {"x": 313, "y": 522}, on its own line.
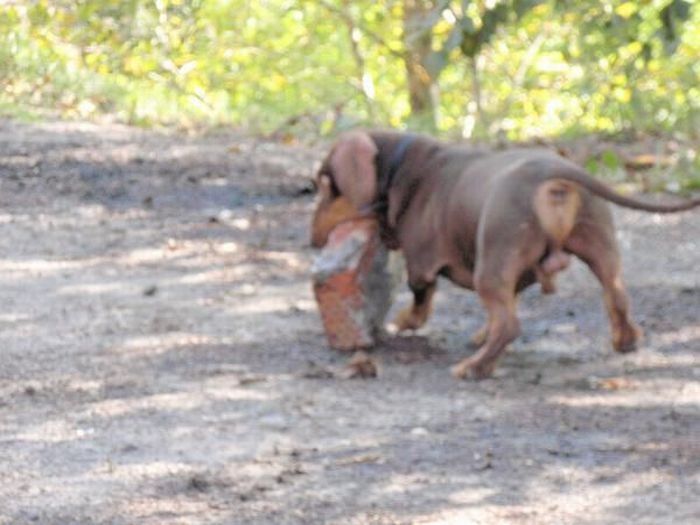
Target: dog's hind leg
{"x": 594, "y": 243}
{"x": 502, "y": 329}
{"x": 505, "y": 254}
{"x": 478, "y": 338}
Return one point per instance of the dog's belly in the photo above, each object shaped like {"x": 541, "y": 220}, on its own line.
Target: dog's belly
{"x": 464, "y": 277}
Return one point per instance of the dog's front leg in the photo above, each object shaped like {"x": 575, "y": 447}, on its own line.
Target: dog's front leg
{"x": 417, "y": 314}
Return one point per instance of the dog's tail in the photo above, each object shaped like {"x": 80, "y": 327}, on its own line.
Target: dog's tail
{"x": 573, "y": 173}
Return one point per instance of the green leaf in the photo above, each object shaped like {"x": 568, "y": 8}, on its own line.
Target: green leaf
{"x": 610, "y": 159}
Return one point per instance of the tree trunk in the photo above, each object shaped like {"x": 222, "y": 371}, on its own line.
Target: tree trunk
{"x": 422, "y": 88}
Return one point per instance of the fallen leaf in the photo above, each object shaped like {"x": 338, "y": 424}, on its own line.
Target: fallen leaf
{"x": 611, "y": 383}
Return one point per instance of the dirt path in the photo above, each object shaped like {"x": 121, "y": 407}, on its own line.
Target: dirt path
{"x": 162, "y": 362}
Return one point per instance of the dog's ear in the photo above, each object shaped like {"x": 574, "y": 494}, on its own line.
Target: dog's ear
{"x": 327, "y": 216}
{"x": 354, "y": 170}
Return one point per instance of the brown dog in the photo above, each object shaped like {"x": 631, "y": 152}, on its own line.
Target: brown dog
{"x": 494, "y": 222}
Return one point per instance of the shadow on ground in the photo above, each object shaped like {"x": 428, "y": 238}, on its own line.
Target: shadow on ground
{"x": 162, "y": 361}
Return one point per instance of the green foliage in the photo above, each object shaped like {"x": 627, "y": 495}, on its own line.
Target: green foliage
{"x": 512, "y": 68}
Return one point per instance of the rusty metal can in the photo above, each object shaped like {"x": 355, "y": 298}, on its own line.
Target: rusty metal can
{"x": 353, "y": 284}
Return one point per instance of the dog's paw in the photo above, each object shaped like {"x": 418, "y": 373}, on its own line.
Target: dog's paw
{"x": 408, "y": 320}
{"x": 627, "y": 348}
{"x": 471, "y": 368}
{"x": 627, "y": 339}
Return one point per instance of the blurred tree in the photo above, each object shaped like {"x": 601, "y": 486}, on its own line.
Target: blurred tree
{"x": 470, "y": 67}
{"x": 419, "y": 20}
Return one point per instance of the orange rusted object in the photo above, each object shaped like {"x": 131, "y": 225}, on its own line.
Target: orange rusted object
{"x": 352, "y": 285}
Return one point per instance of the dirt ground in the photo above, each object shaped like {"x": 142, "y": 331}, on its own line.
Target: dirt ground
{"x": 162, "y": 360}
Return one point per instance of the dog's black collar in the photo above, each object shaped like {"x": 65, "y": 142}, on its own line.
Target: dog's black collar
{"x": 386, "y": 178}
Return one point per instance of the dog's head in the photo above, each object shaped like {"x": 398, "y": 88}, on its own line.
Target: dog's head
{"x": 346, "y": 182}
